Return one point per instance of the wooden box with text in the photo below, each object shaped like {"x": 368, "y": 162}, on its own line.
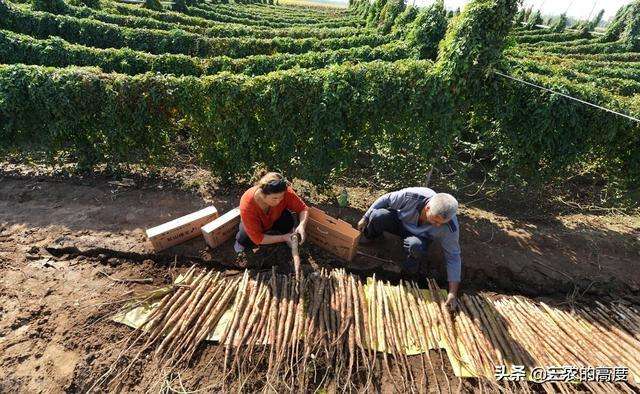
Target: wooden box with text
{"x": 331, "y": 234}
{"x": 221, "y": 229}
{"x": 181, "y": 229}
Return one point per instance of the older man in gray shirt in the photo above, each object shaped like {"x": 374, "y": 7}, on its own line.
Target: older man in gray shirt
{"x": 420, "y": 216}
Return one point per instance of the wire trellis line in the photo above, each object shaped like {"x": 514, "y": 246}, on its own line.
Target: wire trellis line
{"x": 566, "y": 96}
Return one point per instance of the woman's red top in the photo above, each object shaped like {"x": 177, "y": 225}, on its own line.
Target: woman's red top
{"x": 256, "y": 222}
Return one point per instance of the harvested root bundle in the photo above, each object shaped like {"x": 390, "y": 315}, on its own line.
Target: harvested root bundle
{"x": 297, "y": 333}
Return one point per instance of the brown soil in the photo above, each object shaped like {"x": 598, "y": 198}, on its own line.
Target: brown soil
{"x": 60, "y": 237}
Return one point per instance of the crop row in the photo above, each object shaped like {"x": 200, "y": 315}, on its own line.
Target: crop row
{"x": 606, "y": 57}
{"x": 589, "y": 48}
{"x": 17, "y": 48}
{"x": 551, "y": 37}
{"x": 220, "y": 29}
{"x": 231, "y": 119}
{"x": 217, "y": 30}
{"x": 548, "y": 135}
{"x": 623, "y": 87}
{"x": 239, "y": 12}
{"x": 292, "y": 10}
{"x": 213, "y": 16}
{"x": 584, "y": 65}
{"x": 102, "y": 35}
{"x": 271, "y": 10}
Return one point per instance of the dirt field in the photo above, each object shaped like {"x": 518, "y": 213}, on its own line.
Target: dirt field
{"x": 61, "y": 238}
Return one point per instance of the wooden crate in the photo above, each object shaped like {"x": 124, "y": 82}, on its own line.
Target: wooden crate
{"x": 181, "y": 229}
{"x": 331, "y": 234}
{"x": 222, "y": 228}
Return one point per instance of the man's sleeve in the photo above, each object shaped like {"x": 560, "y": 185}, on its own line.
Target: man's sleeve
{"x": 391, "y": 200}
{"x": 451, "y": 247}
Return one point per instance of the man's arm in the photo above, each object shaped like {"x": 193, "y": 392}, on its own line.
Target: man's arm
{"x": 451, "y": 247}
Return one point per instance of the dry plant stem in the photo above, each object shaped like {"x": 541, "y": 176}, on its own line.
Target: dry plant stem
{"x": 445, "y": 318}
{"x": 167, "y": 300}
{"x": 350, "y": 319}
{"x": 411, "y": 318}
{"x": 280, "y": 324}
{"x": 342, "y": 304}
{"x": 609, "y": 340}
{"x": 526, "y": 335}
{"x": 192, "y": 313}
{"x": 580, "y": 343}
{"x": 184, "y": 292}
{"x": 214, "y": 317}
{"x": 483, "y": 345}
{"x": 273, "y": 285}
{"x": 403, "y": 326}
{"x": 390, "y": 330}
{"x": 382, "y": 337}
{"x": 299, "y": 320}
{"x": 632, "y": 345}
{"x": 546, "y": 353}
{"x": 273, "y": 321}
{"x": 325, "y": 314}
{"x": 624, "y": 319}
{"x": 466, "y": 337}
{"x": 419, "y": 334}
{"x": 295, "y": 239}
{"x": 400, "y": 330}
{"x": 486, "y": 328}
{"x": 521, "y": 356}
{"x": 360, "y": 333}
{"x": 239, "y": 333}
{"x": 365, "y": 327}
{"x": 290, "y": 322}
{"x": 175, "y": 323}
{"x": 158, "y": 317}
{"x": 192, "y": 339}
{"x": 213, "y": 294}
{"x": 498, "y": 329}
{"x": 544, "y": 330}
{"x": 314, "y": 315}
{"x": 156, "y": 322}
{"x": 484, "y": 357}
{"x": 430, "y": 325}
{"x": 195, "y": 308}
{"x": 537, "y": 341}
{"x": 372, "y": 305}
{"x": 327, "y": 309}
{"x": 244, "y": 333}
{"x": 257, "y": 337}
{"x": 238, "y": 311}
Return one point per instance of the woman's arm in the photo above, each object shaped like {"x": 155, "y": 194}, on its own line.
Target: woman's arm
{"x": 301, "y": 229}
{"x": 274, "y": 239}
{"x": 253, "y": 229}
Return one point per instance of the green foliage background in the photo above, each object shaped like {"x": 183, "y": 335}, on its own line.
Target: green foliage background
{"x": 319, "y": 94}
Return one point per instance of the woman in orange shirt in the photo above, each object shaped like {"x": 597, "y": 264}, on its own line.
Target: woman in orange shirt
{"x": 266, "y": 213}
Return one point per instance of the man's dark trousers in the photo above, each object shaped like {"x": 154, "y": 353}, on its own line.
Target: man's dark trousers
{"x": 387, "y": 220}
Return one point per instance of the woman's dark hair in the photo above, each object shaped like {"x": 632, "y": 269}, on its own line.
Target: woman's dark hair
{"x": 272, "y": 183}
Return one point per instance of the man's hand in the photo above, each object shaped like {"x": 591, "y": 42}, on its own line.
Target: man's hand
{"x": 303, "y": 234}
{"x": 452, "y": 302}
{"x": 362, "y": 224}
